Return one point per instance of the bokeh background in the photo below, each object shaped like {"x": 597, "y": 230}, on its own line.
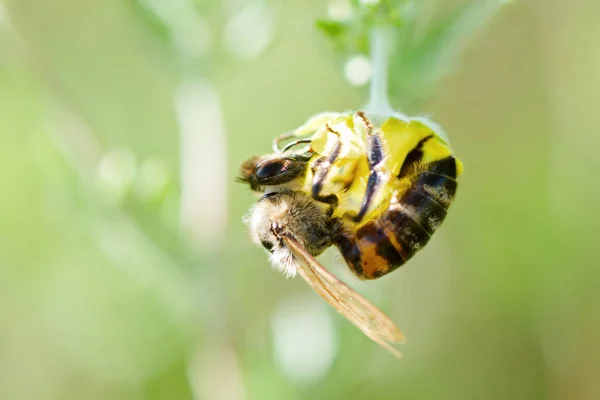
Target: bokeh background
{"x": 125, "y": 269}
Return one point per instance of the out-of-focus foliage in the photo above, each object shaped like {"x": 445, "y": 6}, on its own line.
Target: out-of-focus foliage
{"x": 125, "y": 269}
{"x": 349, "y": 23}
{"x": 427, "y": 38}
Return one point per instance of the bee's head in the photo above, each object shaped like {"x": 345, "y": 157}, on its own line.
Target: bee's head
{"x": 295, "y": 211}
{"x": 273, "y": 170}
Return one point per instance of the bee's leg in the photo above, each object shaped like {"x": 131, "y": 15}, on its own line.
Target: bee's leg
{"x": 311, "y": 126}
{"x": 376, "y": 157}
{"x": 322, "y": 169}
{"x": 295, "y": 143}
{"x": 283, "y": 137}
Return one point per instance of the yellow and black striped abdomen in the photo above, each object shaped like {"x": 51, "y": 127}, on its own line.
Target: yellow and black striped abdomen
{"x": 414, "y": 217}
{"x": 383, "y": 244}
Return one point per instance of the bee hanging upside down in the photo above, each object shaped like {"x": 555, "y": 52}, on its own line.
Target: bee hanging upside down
{"x": 375, "y": 193}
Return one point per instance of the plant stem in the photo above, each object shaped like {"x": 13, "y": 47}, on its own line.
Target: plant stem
{"x": 379, "y": 103}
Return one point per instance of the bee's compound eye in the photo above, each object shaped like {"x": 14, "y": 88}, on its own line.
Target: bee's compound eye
{"x": 267, "y": 245}
{"x": 271, "y": 168}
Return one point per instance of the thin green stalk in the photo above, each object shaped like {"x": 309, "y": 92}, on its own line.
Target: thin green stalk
{"x": 379, "y": 104}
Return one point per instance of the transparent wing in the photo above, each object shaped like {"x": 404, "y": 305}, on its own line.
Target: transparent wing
{"x": 358, "y": 310}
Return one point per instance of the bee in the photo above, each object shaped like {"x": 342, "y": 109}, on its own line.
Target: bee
{"x": 375, "y": 193}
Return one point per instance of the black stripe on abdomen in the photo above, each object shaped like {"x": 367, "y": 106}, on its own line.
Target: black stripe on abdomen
{"x": 406, "y": 229}
{"x": 369, "y": 252}
{"x": 437, "y": 180}
{"x": 415, "y": 216}
{"x": 413, "y": 158}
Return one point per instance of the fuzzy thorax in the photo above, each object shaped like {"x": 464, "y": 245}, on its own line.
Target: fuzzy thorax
{"x": 307, "y": 219}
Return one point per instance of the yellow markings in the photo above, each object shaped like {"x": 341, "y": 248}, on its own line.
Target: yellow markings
{"x": 459, "y": 167}
{"x": 316, "y": 122}
{"x": 434, "y": 150}
{"x": 348, "y": 175}
{"x": 324, "y": 139}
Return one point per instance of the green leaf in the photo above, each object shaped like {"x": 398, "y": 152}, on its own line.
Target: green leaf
{"x": 332, "y": 29}
{"x": 351, "y": 36}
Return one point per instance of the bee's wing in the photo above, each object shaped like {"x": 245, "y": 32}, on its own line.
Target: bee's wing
{"x": 358, "y": 310}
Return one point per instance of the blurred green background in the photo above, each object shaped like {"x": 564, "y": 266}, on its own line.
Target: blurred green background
{"x": 125, "y": 269}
